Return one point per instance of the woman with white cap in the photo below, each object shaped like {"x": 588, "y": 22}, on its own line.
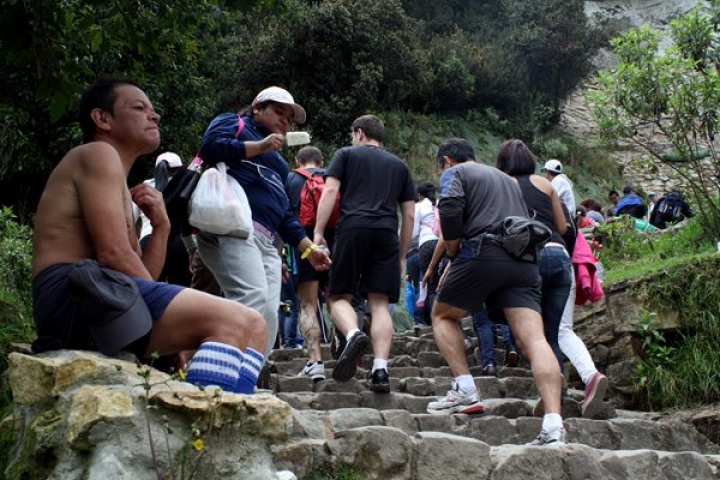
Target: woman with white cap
{"x": 249, "y": 269}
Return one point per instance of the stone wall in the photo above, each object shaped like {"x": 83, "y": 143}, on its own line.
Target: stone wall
{"x": 81, "y": 415}
{"x": 610, "y": 331}
{"x": 577, "y": 118}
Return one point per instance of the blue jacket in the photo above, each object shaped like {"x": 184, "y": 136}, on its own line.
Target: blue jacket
{"x": 262, "y": 177}
{"x": 626, "y": 200}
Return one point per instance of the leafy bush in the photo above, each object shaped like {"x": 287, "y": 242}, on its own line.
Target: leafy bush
{"x": 15, "y": 280}
{"x": 683, "y": 371}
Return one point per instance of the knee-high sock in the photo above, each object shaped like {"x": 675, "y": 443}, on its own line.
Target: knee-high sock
{"x": 251, "y": 366}
{"x": 216, "y": 363}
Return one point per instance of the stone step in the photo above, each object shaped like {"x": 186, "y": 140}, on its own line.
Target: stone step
{"x": 356, "y": 395}
{"x": 385, "y": 451}
{"x": 613, "y": 434}
{"x": 415, "y": 384}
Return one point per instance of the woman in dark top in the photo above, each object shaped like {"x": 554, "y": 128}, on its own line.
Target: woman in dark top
{"x": 516, "y": 159}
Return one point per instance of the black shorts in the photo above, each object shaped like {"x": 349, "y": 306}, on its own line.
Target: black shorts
{"x": 496, "y": 283}
{"x": 369, "y": 258}
{"x": 305, "y": 271}
{"x": 55, "y": 311}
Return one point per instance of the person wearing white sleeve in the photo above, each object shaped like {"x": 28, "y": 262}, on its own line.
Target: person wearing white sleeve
{"x": 553, "y": 171}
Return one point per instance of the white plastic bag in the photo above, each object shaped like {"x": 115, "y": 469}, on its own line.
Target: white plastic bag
{"x": 219, "y": 205}
{"x": 422, "y": 296}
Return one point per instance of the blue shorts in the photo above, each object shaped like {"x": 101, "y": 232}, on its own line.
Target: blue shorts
{"x": 55, "y": 311}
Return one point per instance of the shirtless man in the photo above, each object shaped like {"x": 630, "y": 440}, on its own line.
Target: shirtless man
{"x": 85, "y": 213}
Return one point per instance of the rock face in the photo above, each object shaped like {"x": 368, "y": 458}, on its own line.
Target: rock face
{"x": 577, "y": 119}
{"x": 80, "y": 415}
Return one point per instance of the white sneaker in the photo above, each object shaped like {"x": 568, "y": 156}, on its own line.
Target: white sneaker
{"x": 315, "y": 370}
{"x": 555, "y": 438}
{"x": 455, "y": 402}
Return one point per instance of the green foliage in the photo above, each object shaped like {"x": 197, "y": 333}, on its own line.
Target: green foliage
{"x": 339, "y": 472}
{"x": 684, "y": 371}
{"x": 16, "y": 323}
{"x": 184, "y": 463}
{"x": 628, "y": 253}
{"x": 416, "y": 138}
{"x": 591, "y": 169}
{"x": 656, "y": 353}
{"x": 339, "y": 58}
{"x": 674, "y": 94}
{"x": 550, "y": 41}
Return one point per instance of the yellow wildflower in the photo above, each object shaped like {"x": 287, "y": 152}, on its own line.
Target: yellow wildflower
{"x": 199, "y": 445}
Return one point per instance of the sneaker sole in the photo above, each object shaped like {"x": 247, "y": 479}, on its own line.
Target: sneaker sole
{"x": 591, "y": 405}
{"x": 471, "y": 410}
{"x": 345, "y": 368}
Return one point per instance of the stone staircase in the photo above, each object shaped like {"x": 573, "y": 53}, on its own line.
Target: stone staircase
{"x": 390, "y": 436}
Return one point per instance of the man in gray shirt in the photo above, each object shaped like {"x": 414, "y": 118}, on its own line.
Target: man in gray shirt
{"x": 476, "y": 199}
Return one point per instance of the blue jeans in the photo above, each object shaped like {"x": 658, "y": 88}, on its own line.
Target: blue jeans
{"x": 556, "y": 274}
{"x": 412, "y": 268}
{"x": 485, "y": 330}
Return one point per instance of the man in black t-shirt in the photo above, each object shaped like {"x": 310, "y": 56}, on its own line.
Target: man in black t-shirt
{"x": 308, "y": 281}
{"x": 367, "y": 253}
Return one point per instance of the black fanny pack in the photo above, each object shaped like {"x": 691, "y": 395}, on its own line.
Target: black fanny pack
{"x": 521, "y": 237}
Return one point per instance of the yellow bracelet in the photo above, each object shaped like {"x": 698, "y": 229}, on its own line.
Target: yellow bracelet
{"x": 308, "y": 251}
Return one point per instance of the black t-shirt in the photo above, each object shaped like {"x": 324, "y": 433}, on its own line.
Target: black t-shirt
{"x": 294, "y": 185}
{"x": 373, "y": 182}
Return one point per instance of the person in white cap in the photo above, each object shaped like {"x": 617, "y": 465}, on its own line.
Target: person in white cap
{"x": 176, "y": 269}
{"x": 249, "y": 270}
{"x": 571, "y": 345}
{"x": 553, "y": 171}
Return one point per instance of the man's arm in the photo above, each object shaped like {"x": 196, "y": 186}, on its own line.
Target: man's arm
{"x": 325, "y": 207}
{"x": 407, "y": 211}
{"x": 104, "y": 200}
{"x": 151, "y": 202}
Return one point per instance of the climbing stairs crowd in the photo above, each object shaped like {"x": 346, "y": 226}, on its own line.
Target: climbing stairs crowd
{"x": 392, "y": 436}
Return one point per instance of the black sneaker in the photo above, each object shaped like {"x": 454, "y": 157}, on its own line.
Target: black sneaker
{"x": 347, "y": 362}
{"x": 380, "y": 381}
{"x": 337, "y": 345}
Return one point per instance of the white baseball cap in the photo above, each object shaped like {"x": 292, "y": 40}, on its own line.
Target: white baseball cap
{"x": 173, "y": 159}
{"x": 553, "y": 166}
{"x": 280, "y": 95}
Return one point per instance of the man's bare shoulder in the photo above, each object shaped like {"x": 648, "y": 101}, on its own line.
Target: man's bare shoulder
{"x": 94, "y": 157}
{"x": 61, "y": 231}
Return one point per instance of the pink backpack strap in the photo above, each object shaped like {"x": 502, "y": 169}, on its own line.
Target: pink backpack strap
{"x": 241, "y": 125}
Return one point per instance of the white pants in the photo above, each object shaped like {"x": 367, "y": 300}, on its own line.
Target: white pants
{"x": 570, "y": 344}
{"x": 248, "y": 271}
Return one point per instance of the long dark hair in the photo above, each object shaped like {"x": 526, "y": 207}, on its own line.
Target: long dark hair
{"x": 428, "y": 190}
{"x": 515, "y": 158}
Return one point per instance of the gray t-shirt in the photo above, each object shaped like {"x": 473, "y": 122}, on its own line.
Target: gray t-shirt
{"x": 478, "y": 196}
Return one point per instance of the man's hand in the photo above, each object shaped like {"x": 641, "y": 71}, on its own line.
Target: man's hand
{"x": 151, "y": 203}
{"x": 319, "y": 239}
{"x": 320, "y": 259}
{"x": 429, "y": 275}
